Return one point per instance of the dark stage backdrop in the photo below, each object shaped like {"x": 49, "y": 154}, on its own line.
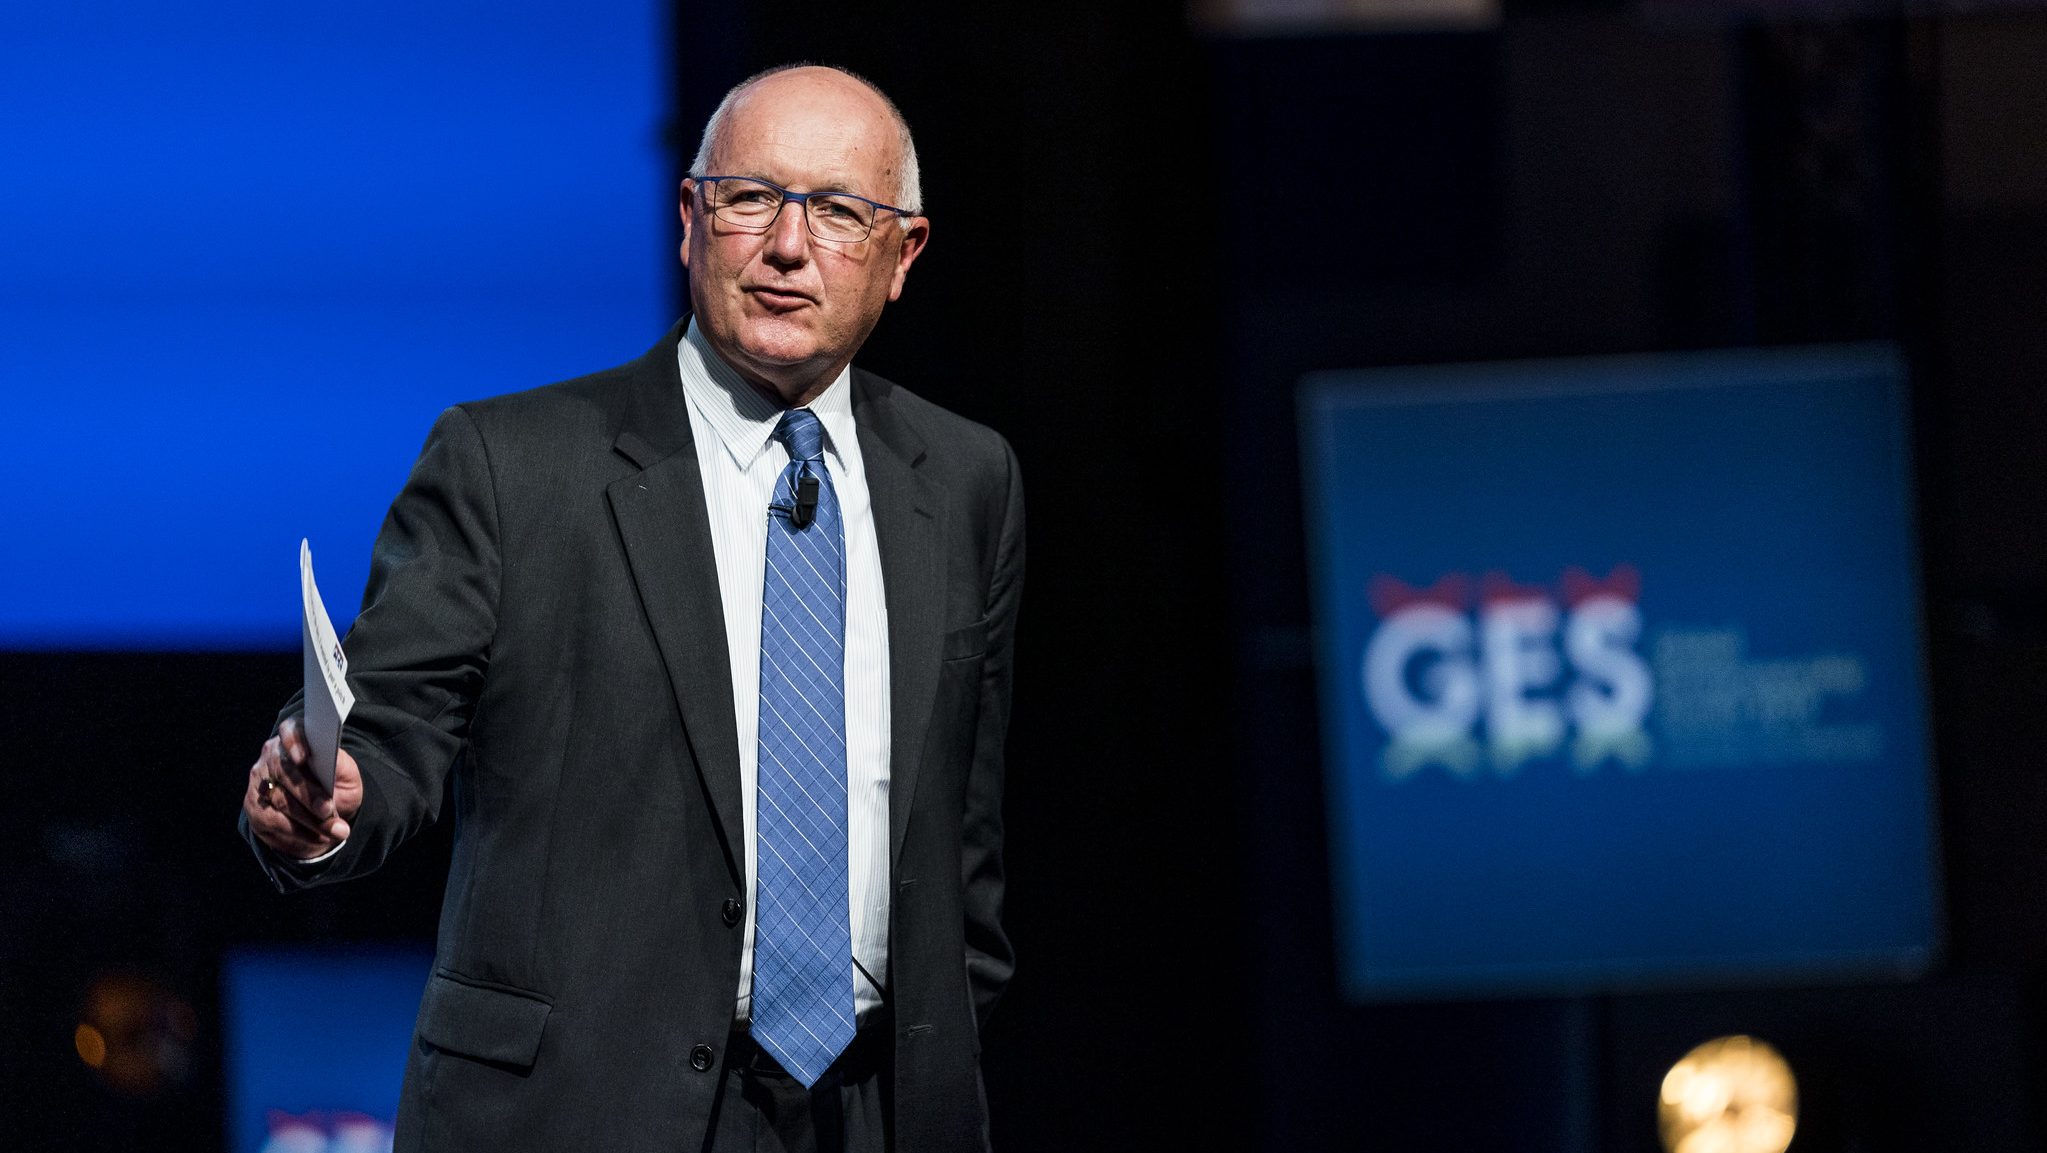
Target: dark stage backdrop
{"x": 1588, "y": 181}
{"x": 1577, "y": 182}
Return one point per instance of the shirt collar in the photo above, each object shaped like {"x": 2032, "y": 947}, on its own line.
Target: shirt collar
{"x": 743, "y": 418}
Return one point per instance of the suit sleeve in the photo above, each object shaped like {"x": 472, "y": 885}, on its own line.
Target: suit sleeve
{"x": 990, "y": 960}
{"x": 417, "y": 652}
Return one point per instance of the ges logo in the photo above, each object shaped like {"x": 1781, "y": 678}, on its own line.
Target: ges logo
{"x": 1510, "y": 675}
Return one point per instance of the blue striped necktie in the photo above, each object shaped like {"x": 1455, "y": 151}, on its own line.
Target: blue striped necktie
{"x": 803, "y": 941}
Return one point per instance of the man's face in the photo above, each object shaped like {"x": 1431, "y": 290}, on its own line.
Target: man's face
{"x": 786, "y": 309}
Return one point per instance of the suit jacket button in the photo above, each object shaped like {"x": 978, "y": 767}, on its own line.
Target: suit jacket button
{"x": 732, "y": 910}
{"x": 701, "y": 1058}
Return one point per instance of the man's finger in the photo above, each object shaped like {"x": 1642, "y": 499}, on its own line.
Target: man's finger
{"x": 324, "y": 826}
{"x": 252, "y": 791}
{"x": 269, "y": 813}
{"x": 293, "y": 791}
{"x": 314, "y": 804}
{"x": 297, "y": 813}
{"x": 276, "y": 830}
{"x": 279, "y": 762}
{"x": 285, "y": 825}
{"x": 298, "y": 777}
{"x": 292, "y": 755}
{"x": 284, "y": 804}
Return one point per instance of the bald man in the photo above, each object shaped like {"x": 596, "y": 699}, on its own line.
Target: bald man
{"x": 712, "y": 654}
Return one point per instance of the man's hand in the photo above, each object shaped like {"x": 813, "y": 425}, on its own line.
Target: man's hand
{"x": 287, "y": 808}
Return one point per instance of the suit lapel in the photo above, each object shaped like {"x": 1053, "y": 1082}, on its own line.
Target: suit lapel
{"x": 909, "y": 527}
{"x": 667, "y": 534}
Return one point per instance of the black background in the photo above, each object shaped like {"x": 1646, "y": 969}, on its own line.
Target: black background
{"x": 1104, "y": 286}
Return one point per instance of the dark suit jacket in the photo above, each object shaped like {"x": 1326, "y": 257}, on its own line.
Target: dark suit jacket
{"x": 543, "y": 622}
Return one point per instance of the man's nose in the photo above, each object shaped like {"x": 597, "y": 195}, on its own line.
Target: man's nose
{"x": 789, "y": 236}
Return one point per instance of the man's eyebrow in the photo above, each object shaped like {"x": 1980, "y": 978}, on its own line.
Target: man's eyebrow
{"x": 837, "y": 182}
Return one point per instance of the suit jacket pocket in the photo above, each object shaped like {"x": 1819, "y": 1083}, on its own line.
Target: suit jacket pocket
{"x": 489, "y": 1024}
{"x": 962, "y": 643}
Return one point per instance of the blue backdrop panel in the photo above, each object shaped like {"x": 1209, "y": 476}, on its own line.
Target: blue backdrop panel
{"x": 1620, "y": 671}
{"x": 253, "y": 248}
{"x": 316, "y": 1042}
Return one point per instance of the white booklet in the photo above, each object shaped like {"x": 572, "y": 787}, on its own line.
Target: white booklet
{"x": 327, "y": 697}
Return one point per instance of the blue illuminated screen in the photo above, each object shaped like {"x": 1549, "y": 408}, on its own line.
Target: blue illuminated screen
{"x": 1620, "y": 672}
{"x": 316, "y": 1041}
{"x": 253, "y": 248}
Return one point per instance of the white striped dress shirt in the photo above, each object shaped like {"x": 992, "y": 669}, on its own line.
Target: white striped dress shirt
{"x": 740, "y": 460}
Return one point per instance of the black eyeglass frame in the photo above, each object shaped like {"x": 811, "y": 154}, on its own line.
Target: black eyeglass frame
{"x": 802, "y": 200}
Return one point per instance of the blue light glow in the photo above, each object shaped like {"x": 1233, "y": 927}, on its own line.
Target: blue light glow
{"x": 253, "y": 248}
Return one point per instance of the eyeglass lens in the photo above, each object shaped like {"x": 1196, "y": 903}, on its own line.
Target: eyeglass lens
{"x": 748, "y": 203}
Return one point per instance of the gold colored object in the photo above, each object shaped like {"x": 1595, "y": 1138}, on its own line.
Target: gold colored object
{"x": 135, "y": 1034}
{"x": 1729, "y": 1095}
{"x": 91, "y": 1044}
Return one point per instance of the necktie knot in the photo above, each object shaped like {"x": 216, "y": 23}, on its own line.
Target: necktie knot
{"x": 802, "y": 434}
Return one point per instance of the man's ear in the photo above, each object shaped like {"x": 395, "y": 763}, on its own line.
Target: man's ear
{"x": 686, "y": 208}
{"x": 915, "y": 236}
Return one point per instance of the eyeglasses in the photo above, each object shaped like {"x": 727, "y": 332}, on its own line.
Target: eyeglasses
{"x": 744, "y": 202}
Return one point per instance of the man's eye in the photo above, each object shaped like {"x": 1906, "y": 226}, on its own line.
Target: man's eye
{"x": 749, "y": 196}
{"x": 837, "y": 209}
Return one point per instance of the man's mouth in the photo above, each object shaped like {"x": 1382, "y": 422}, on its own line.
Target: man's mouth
{"x": 780, "y": 299}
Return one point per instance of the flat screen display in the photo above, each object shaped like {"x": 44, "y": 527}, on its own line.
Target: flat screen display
{"x": 316, "y": 1042}
{"x": 253, "y": 248}
{"x": 1620, "y": 674}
